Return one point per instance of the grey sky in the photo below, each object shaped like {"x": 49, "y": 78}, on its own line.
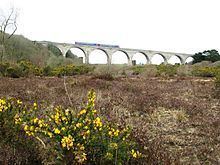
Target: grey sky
{"x": 186, "y": 26}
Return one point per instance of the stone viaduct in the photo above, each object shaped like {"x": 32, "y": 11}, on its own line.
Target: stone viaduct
{"x": 109, "y": 51}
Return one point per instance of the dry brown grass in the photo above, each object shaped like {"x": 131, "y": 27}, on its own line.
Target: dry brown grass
{"x": 174, "y": 120}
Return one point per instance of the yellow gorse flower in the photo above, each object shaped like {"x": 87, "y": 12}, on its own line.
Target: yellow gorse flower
{"x": 135, "y": 154}
{"x": 2, "y": 102}
{"x": 3, "y": 105}
{"x": 82, "y": 112}
{"x": 91, "y": 98}
{"x": 97, "y": 122}
{"x": 56, "y": 131}
{"x": 31, "y": 128}
{"x": 17, "y": 119}
{"x": 94, "y": 111}
{"x": 26, "y": 127}
{"x": 109, "y": 156}
{"x": 113, "y": 145}
{"x": 35, "y": 120}
{"x": 67, "y": 142}
{"x": 80, "y": 146}
{"x": 19, "y": 102}
{"x": 113, "y": 132}
{"x": 35, "y": 104}
{"x": 50, "y": 134}
{"x": 78, "y": 125}
{"x": 67, "y": 112}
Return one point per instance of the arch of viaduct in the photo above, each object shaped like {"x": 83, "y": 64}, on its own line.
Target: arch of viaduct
{"x": 109, "y": 51}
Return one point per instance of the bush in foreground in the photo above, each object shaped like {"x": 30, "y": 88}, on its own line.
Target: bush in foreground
{"x": 15, "y": 146}
{"x": 75, "y": 137}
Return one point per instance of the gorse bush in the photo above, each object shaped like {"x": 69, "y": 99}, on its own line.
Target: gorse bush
{"x": 75, "y": 137}
{"x": 3, "y": 68}
{"x": 27, "y": 69}
{"x": 15, "y": 146}
{"x": 167, "y": 70}
{"x": 13, "y": 71}
{"x": 20, "y": 69}
{"x": 70, "y": 70}
{"x": 138, "y": 70}
{"x": 205, "y": 71}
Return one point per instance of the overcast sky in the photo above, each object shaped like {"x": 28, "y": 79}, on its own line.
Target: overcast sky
{"x": 185, "y": 26}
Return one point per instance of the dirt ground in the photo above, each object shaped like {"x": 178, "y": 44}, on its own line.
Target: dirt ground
{"x": 175, "y": 120}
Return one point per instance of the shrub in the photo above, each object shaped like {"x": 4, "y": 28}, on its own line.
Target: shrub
{"x": 47, "y": 71}
{"x": 56, "y": 61}
{"x": 3, "y": 68}
{"x": 184, "y": 70}
{"x": 26, "y": 68}
{"x": 15, "y": 146}
{"x": 20, "y": 69}
{"x": 70, "y": 136}
{"x": 138, "y": 70}
{"x": 205, "y": 71}
{"x": 29, "y": 69}
{"x": 13, "y": 71}
{"x": 167, "y": 70}
{"x": 70, "y": 70}
{"x": 104, "y": 76}
{"x": 10, "y": 70}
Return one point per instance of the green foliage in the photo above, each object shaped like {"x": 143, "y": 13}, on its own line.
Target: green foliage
{"x": 70, "y": 70}
{"x": 167, "y": 70}
{"x": 19, "y": 48}
{"x": 54, "y": 61}
{"x": 208, "y": 55}
{"x": 56, "y": 51}
{"x": 13, "y": 71}
{"x": 47, "y": 71}
{"x": 138, "y": 70}
{"x": 27, "y": 69}
{"x": 205, "y": 71}
{"x": 69, "y": 54}
{"x": 3, "y": 68}
{"x": 21, "y": 69}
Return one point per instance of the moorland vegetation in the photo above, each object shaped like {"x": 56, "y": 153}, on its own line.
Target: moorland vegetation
{"x": 162, "y": 114}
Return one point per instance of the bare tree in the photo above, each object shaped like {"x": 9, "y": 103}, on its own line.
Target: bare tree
{"x": 8, "y": 27}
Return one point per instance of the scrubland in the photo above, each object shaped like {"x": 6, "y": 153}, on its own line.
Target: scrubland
{"x": 174, "y": 118}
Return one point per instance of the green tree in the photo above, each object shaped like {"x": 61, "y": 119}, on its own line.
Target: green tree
{"x": 207, "y": 55}
{"x": 56, "y": 51}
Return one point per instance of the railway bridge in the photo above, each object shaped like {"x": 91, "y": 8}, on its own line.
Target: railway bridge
{"x": 109, "y": 50}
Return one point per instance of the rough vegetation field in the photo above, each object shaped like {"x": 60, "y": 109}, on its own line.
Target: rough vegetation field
{"x": 57, "y": 110}
{"x": 174, "y": 120}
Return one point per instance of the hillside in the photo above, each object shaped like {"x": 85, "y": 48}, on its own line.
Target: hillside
{"x": 20, "y": 48}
